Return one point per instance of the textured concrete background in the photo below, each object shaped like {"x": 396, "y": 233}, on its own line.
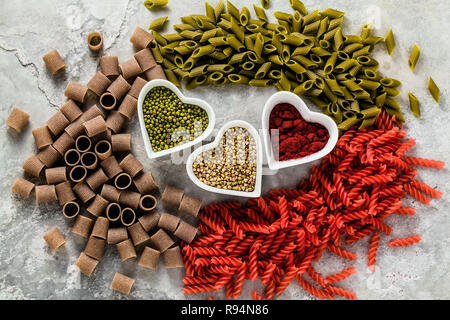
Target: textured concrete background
{"x": 29, "y": 270}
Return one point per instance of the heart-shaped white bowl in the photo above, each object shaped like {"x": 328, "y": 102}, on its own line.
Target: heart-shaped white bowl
{"x": 309, "y": 116}
{"x": 254, "y": 133}
{"x": 198, "y": 102}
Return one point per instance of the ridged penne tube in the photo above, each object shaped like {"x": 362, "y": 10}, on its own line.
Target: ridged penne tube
{"x": 71, "y": 110}
{"x": 284, "y": 82}
{"x": 311, "y": 28}
{"x": 130, "y": 68}
{"x": 115, "y": 121}
{"x": 136, "y": 87}
{"x": 89, "y": 160}
{"x": 379, "y": 101}
{"x": 99, "y": 83}
{"x": 173, "y": 258}
{"x": 158, "y": 24}
{"x": 63, "y": 143}
{"x": 334, "y": 87}
{"x": 57, "y": 123}
{"x": 155, "y": 73}
{"x": 127, "y": 216}
{"x": 361, "y": 52}
{"x": 108, "y": 101}
{"x": 117, "y": 235}
{"x": 45, "y": 193}
{"x": 97, "y": 206}
{"x": 263, "y": 70}
{"x": 367, "y": 84}
{"x": 42, "y": 137}
{"x": 22, "y": 187}
{"x": 55, "y": 175}
{"x": 95, "y": 248}
{"x": 390, "y": 42}
{"x": 97, "y": 179}
{"x": 261, "y": 82}
{"x": 434, "y": 89}
{"x": 131, "y": 165}
{"x": 370, "y": 112}
{"x": 86, "y": 264}
{"x": 352, "y": 47}
{"x": 345, "y": 65}
{"x": 48, "y": 156}
{"x": 367, "y": 123}
{"x": 54, "y": 239}
{"x": 161, "y": 240}
{"x": 156, "y": 52}
{"x": 186, "y": 232}
{"x": 147, "y": 203}
{"x": 64, "y": 192}
{"x": 244, "y": 16}
{"x": 348, "y": 123}
{"x": 149, "y": 258}
{"x": 83, "y": 191}
{"x": 95, "y": 126}
{"x": 235, "y": 43}
{"x": 138, "y": 234}
{"x": 76, "y": 91}
{"x": 101, "y": 228}
{"x": 149, "y": 221}
{"x": 414, "y": 104}
{"x": 71, "y": 209}
{"x": 130, "y": 199}
{"x": 109, "y": 66}
{"x": 83, "y": 143}
{"x": 53, "y": 61}
{"x": 311, "y": 17}
{"x": 113, "y": 211}
{"x": 190, "y": 205}
{"x": 140, "y": 38}
{"x": 128, "y": 107}
{"x": 119, "y": 87}
{"x": 122, "y": 181}
{"x": 295, "y": 66}
{"x": 260, "y": 13}
{"x": 304, "y": 87}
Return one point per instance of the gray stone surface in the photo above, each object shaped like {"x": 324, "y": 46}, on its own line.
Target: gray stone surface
{"x": 29, "y": 270}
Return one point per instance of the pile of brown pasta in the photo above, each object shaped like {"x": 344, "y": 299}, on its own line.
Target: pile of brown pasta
{"x": 85, "y": 161}
{"x": 304, "y": 52}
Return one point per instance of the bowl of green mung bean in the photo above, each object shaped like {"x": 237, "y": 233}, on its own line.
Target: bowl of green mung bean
{"x": 171, "y": 122}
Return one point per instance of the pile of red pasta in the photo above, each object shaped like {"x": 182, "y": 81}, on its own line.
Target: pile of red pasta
{"x": 281, "y": 236}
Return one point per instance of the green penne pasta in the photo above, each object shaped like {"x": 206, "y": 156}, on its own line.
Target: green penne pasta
{"x": 305, "y": 62}
{"x": 224, "y": 24}
{"x": 191, "y": 35}
{"x": 178, "y": 60}
{"x": 249, "y": 43}
{"x": 414, "y": 104}
{"x": 254, "y": 58}
{"x": 154, "y": 4}
{"x": 235, "y": 43}
{"x": 311, "y": 28}
{"x": 284, "y": 82}
{"x": 248, "y": 73}
{"x": 269, "y": 48}
{"x": 183, "y": 50}
{"x": 219, "y": 9}
{"x": 228, "y": 51}
{"x": 173, "y": 37}
{"x": 248, "y": 66}
{"x": 296, "y": 22}
{"x": 362, "y": 95}
{"x": 222, "y": 81}
{"x": 198, "y": 71}
{"x": 330, "y": 34}
{"x": 295, "y": 66}
{"x": 189, "y": 64}
{"x": 352, "y": 86}
{"x": 215, "y": 76}
{"x": 372, "y": 75}
{"x": 191, "y": 44}
{"x": 218, "y": 41}
{"x": 391, "y": 103}
{"x": 244, "y": 16}
{"x": 170, "y": 48}
{"x": 366, "y": 31}
{"x": 311, "y": 17}
{"x": 189, "y": 20}
{"x": 329, "y": 65}
{"x": 259, "y": 45}
{"x": 391, "y": 83}
{"x": 298, "y": 5}
{"x": 345, "y": 65}
{"x": 336, "y": 113}
{"x": 261, "y": 82}
{"x": 208, "y": 35}
{"x": 162, "y": 41}
{"x": 320, "y": 52}
{"x": 352, "y": 39}
{"x": 217, "y": 55}
{"x": 154, "y": 47}
{"x": 398, "y": 115}
{"x": 257, "y": 22}
{"x": 274, "y": 74}
{"x": 348, "y": 123}
{"x": 319, "y": 83}
{"x": 223, "y": 68}
{"x": 414, "y": 57}
{"x": 352, "y": 47}
{"x": 344, "y": 76}
{"x": 262, "y": 71}
{"x": 236, "y": 78}
{"x": 367, "y": 61}
{"x": 334, "y": 87}
{"x": 158, "y": 24}
{"x": 260, "y": 13}
{"x": 236, "y": 29}
{"x": 204, "y": 23}
{"x": 274, "y": 58}
{"x": 233, "y": 10}
{"x": 168, "y": 64}
{"x": 203, "y": 51}
{"x": 265, "y": 4}
{"x": 286, "y": 53}
{"x": 332, "y": 13}
{"x": 368, "y": 84}
{"x": 210, "y": 12}
{"x": 380, "y": 99}
{"x": 319, "y": 102}
{"x": 371, "y": 112}
{"x": 372, "y": 40}
{"x": 301, "y": 51}
{"x": 226, "y": 16}
{"x": 366, "y": 123}
{"x": 335, "y": 23}
{"x": 392, "y": 92}
{"x": 361, "y": 52}
{"x": 316, "y": 59}
{"x": 323, "y": 27}
{"x": 181, "y": 74}
{"x": 283, "y": 16}
{"x": 329, "y": 94}
{"x": 338, "y": 39}
{"x": 237, "y": 58}
{"x": 195, "y": 82}
{"x": 182, "y": 27}
{"x": 434, "y": 89}
{"x": 171, "y": 76}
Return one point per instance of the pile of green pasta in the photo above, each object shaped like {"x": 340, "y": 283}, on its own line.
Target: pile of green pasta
{"x": 305, "y": 53}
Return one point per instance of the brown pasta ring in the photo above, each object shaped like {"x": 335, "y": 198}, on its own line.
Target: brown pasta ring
{"x": 122, "y": 283}
{"x": 130, "y": 199}
{"x": 145, "y": 182}
{"x": 64, "y": 192}
{"x": 131, "y": 165}
{"x": 42, "y": 137}
{"x": 89, "y": 160}
{"x": 110, "y": 66}
{"x": 82, "y": 226}
{"x": 76, "y": 128}
{"x": 190, "y": 205}
{"x": 147, "y": 203}
{"x": 71, "y": 110}
{"x": 18, "y": 119}
{"x": 95, "y": 41}
{"x": 110, "y": 193}
{"x": 22, "y": 187}
{"x": 56, "y": 175}
{"x": 121, "y": 142}
{"x": 53, "y": 61}
{"x": 72, "y": 157}
{"x": 34, "y": 166}
{"x": 101, "y": 228}
{"x": 71, "y": 209}
{"x": 168, "y": 222}
{"x": 126, "y": 250}
{"x": 78, "y": 173}
{"x": 130, "y": 68}
{"x": 119, "y": 87}
{"x": 149, "y": 258}
{"x": 57, "y": 123}
{"x": 92, "y": 113}
{"x": 173, "y": 258}
{"x": 48, "y": 156}
{"x": 157, "y": 72}
{"x": 63, "y": 143}
{"x": 86, "y": 264}
{"x": 106, "y": 135}
{"x": 149, "y": 221}
{"x": 83, "y": 191}
{"x": 140, "y": 38}
{"x": 108, "y": 101}
{"x": 115, "y": 121}
{"x": 54, "y": 239}
{"x": 103, "y": 149}
{"x": 128, "y": 107}
{"x": 161, "y": 240}
{"x": 96, "y": 179}
{"x": 111, "y": 167}
{"x": 122, "y": 181}
{"x": 95, "y": 248}
{"x": 138, "y": 234}
{"x": 117, "y": 235}
{"x": 127, "y": 217}
{"x": 97, "y": 206}
{"x": 136, "y": 87}
{"x": 83, "y": 143}
{"x": 172, "y": 196}
{"x": 45, "y": 193}
{"x": 99, "y": 83}
{"x": 76, "y": 91}
{"x": 186, "y": 232}
{"x": 95, "y": 126}
{"x": 145, "y": 59}
{"x": 113, "y": 211}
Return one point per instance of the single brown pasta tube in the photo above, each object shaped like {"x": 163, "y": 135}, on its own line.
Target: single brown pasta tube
{"x": 126, "y": 250}
{"x": 57, "y": 123}
{"x": 147, "y": 203}
{"x": 71, "y": 110}
{"x": 33, "y": 166}
{"x": 72, "y": 157}
{"x": 145, "y": 182}
{"x": 96, "y": 179}
{"x": 121, "y": 142}
{"x": 168, "y": 222}
{"x": 156, "y": 72}
{"x": 76, "y": 128}
{"x": 101, "y": 228}
{"x": 106, "y": 135}
{"x": 78, "y": 173}
{"x": 95, "y": 248}
{"x": 110, "y": 66}
{"x": 17, "y": 119}
{"x": 113, "y": 211}
{"x": 54, "y": 239}
{"x": 89, "y": 160}
{"x": 122, "y": 283}
{"x": 111, "y": 167}
{"x": 45, "y": 193}
{"x": 42, "y": 137}
{"x": 190, "y": 205}
{"x": 56, "y": 175}
{"x": 172, "y": 196}
{"x": 86, "y": 264}
{"x": 127, "y": 217}
{"x": 119, "y": 87}
{"x": 122, "y": 181}
{"x": 130, "y": 199}
{"x": 92, "y": 113}
{"x": 63, "y": 143}
{"x": 186, "y": 232}
{"x": 82, "y": 226}
{"x": 110, "y": 193}
{"x": 53, "y": 61}
{"x": 97, "y": 206}
{"x": 83, "y": 143}
{"x": 108, "y": 101}
{"x": 22, "y": 187}
{"x": 116, "y": 235}
{"x": 115, "y": 121}
{"x": 149, "y": 221}
{"x": 145, "y": 59}
{"x": 140, "y": 38}
{"x": 149, "y": 258}
{"x": 103, "y": 149}
{"x": 99, "y": 83}
{"x": 48, "y": 156}
{"x": 128, "y": 107}
{"x": 130, "y": 68}
{"x": 95, "y": 126}
{"x": 131, "y": 165}
{"x": 161, "y": 240}
{"x": 83, "y": 191}
{"x": 138, "y": 234}
{"x": 64, "y": 192}
{"x": 173, "y": 258}
{"x": 95, "y": 41}
{"x": 71, "y": 209}
{"x": 136, "y": 87}
{"x": 76, "y": 91}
